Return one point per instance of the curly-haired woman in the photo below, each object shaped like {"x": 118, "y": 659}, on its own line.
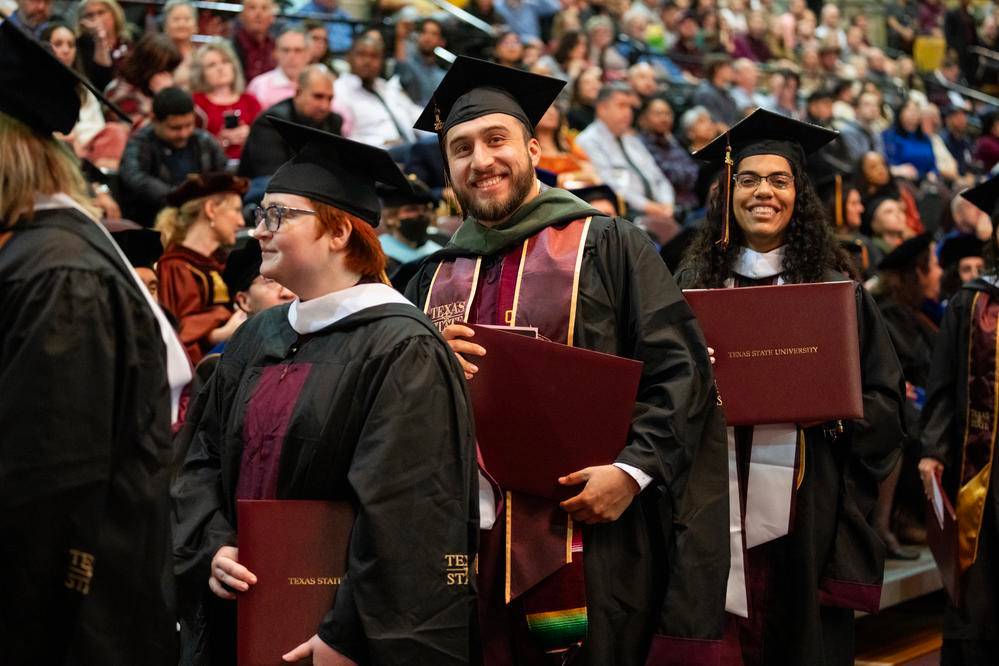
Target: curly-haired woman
{"x": 792, "y": 596}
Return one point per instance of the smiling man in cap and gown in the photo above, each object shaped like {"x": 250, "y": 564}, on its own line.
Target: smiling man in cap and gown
{"x": 645, "y": 582}
{"x": 87, "y": 364}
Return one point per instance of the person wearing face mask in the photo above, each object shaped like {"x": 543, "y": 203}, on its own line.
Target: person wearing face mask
{"x": 798, "y": 576}
{"x": 352, "y": 390}
{"x": 407, "y": 217}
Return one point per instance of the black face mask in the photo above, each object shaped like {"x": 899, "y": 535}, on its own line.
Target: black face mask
{"x": 414, "y": 229}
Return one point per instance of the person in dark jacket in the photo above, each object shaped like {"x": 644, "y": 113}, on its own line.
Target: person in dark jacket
{"x": 160, "y": 156}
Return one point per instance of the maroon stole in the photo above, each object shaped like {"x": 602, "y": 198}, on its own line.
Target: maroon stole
{"x": 530, "y": 550}
{"x": 980, "y": 424}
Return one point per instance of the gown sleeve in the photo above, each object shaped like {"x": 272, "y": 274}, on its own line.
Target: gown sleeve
{"x": 409, "y": 595}
{"x": 852, "y": 573}
{"x": 180, "y": 294}
{"x": 941, "y": 408}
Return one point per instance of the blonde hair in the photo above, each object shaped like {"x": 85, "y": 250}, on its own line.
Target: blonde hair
{"x": 173, "y": 223}
{"x": 121, "y": 26}
{"x": 32, "y": 164}
{"x": 198, "y": 83}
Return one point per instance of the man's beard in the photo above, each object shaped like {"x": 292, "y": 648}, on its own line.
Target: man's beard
{"x": 494, "y": 210}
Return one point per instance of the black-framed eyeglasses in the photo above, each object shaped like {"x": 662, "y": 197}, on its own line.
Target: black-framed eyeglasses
{"x": 274, "y": 215}
{"x": 750, "y": 181}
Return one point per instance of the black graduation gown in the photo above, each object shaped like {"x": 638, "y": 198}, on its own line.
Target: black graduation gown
{"x": 831, "y": 543}
{"x": 84, "y": 454}
{"x": 944, "y": 415}
{"x": 382, "y": 421}
{"x": 661, "y": 568}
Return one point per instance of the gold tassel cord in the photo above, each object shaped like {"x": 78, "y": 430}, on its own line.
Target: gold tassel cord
{"x": 724, "y": 240}
{"x": 839, "y": 201}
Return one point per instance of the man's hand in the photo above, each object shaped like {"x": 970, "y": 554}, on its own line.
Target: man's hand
{"x": 928, "y": 469}
{"x": 322, "y": 654}
{"x": 453, "y": 335}
{"x": 228, "y": 572}
{"x": 607, "y": 493}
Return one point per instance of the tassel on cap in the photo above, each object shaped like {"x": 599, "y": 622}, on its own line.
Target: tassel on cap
{"x": 725, "y": 236}
{"x": 839, "y": 201}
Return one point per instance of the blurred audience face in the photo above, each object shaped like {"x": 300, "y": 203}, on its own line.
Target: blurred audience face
{"x": 868, "y": 108}
{"x": 366, "y": 58}
{"x": 688, "y": 28}
{"x": 429, "y": 38}
{"x": 218, "y": 72}
{"x": 930, "y": 119}
{"x": 314, "y": 100}
{"x": 888, "y": 223}
{"x": 63, "y": 43}
{"x": 492, "y": 165}
{"x": 262, "y": 294}
{"x": 636, "y": 26}
{"x": 875, "y": 169}
{"x": 34, "y": 12}
{"x": 257, "y": 16}
{"x": 970, "y": 267}
{"x": 908, "y": 117}
{"x": 175, "y": 131}
{"x": 830, "y": 16}
{"x": 702, "y": 130}
{"x": 617, "y": 112}
{"x": 292, "y": 54}
{"x": 747, "y": 74}
{"x": 226, "y": 215}
{"x": 589, "y": 84}
{"x": 957, "y": 122}
{"x": 509, "y": 49}
{"x": 549, "y": 122}
{"x": 757, "y": 24}
{"x": 642, "y": 79}
{"x": 318, "y": 43}
{"x": 763, "y": 212}
{"x": 821, "y": 109}
{"x": 657, "y": 118}
{"x": 180, "y": 25}
{"x": 853, "y": 210}
{"x": 929, "y": 278}
{"x": 97, "y": 15}
{"x": 148, "y": 277}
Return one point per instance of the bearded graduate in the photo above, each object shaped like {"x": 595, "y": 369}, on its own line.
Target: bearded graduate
{"x": 959, "y": 444}
{"x": 791, "y": 598}
{"x": 645, "y": 583}
{"x": 347, "y": 393}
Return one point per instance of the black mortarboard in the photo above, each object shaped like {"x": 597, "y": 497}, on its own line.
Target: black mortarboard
{"x": 36, "y": 88}
{"x": 473, "y": 88}
{"x": 762, "y": 133}
{"x": 870, "y": 209}
{"x": 905, "y": 254}
{"x": 334, "y": 170}
{"x": 242, "y": 267}
{"x": 392, "y": 197}
{"x": 142, "y": 247}
{"x": 984, "y": 195}
{"x": 597, "y": 192}
{"x": 956, "y": 248}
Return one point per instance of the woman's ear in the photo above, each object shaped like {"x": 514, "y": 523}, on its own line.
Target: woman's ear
{"x": 339, "y": 240}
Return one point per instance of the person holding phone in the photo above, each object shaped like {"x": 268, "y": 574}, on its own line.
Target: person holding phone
{"x": 218, "y": 89}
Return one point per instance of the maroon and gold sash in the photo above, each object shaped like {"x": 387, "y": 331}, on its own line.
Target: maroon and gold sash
{"x": 980, "y": 424}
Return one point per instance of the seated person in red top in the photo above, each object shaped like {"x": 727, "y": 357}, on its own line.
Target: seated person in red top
{"x": 219, "y": 91}
{"x": 203, "y": 215}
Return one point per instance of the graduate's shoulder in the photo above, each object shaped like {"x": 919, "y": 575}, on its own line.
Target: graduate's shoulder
{"x": 383, "y": 327}
{"x": 59, "y": 240}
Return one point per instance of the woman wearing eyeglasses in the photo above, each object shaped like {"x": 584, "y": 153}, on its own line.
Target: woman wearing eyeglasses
{"x": 803, "y": 555}
{"x": 202, "y": 217}
{"x": 347, "y": 393}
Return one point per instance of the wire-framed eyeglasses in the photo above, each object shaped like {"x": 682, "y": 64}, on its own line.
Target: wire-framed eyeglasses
{"x": 750, "y": 181}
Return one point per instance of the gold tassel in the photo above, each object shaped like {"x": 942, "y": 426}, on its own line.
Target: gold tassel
{"x": 839, "y": 201}
{"x": 723, "y": 241}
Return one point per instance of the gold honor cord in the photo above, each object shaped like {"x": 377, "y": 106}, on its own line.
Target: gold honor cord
{"x": 839, "y": 201}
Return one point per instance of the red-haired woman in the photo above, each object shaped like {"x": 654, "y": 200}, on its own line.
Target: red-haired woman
{"x": 347, "y": 393}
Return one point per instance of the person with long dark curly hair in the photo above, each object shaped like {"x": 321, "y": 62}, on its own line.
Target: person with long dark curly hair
{"x": 793, "y": 590}
{"x": 959, "y": 448}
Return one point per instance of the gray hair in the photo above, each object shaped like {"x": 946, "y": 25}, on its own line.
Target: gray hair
{"x": 691, "y": 116}
{"x": 173, "y": 4}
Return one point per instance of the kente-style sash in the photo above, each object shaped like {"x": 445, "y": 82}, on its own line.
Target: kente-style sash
{"x": 538, "y": 286}
{"x": 980, "y": 425}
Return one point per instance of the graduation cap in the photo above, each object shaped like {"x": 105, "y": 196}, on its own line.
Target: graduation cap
{"x": 335, "y": 170}
{"x": 762, "y": 133}
{"x": 984, "y": 195}
{"x": 142, "y": 247}
{"x": 956, "y": 248}
{"x": 36, "y": 88}
{"x": 242, "y": 267}
{"x": 392, "y": 197}
{"x": 905, "y": 254}
{"x": 198, "y": 185}
{"x": 473, "y": 88}
{"x": 598, "y": 193}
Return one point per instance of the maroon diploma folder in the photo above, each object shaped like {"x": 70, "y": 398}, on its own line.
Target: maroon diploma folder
{"x": 544, "y": 410}
{"x": 941, "y": 536}
{"x": 298, "y": 551}
{"x": 784, "y": 354}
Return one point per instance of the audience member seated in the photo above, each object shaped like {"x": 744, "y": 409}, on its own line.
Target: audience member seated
{"x": 202, "y": 216}
{"x": 569, "y": 57}
{"x": 655, "y": 123}
{"x": 33, "y": 15}
{"x": 962, "y": 260}
{"x": 560, "y": 154}
{"x": 279, "y": 84}
{"x": 147, "y": 69}
{"x": 161, "y": 155}
{"x": 524, "y": 16}
{"x": 584, "y": 96}
{"x": 105, "y": 39}
{"x": 876, "y": 181}
{"x": 406, "y": 219}
{"x": 847, "y": 216}
{"x": 319, "y": 44}
{"x": 745, "y": 89}
{"x": 753, "y": 44}
{"x": 265, "y": 150}
{"x": 642, "y": 80}
{"x": 906, "y": 145}
{"x": 987, "y": 146}
{"x": 956, "y": 137}
{"x": 623, "y": 162}
{"x": 416, "y": 64}
{"x": 380, "y": 112}
{"x": 218, "y": 86}
{"x": 884, "y": 222}
{"x": 713, "y": 92}
{"x": 600, "y": 31}
{"x": 252, "y": 39}
{"x": 180, "y": 21}
{"x": 697, "y": 129}
{"x": 338, "y": 33}
{"x": 863, "y": 134}
{"x": 509, "y": 50}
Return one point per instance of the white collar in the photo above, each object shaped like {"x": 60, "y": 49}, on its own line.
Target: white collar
{"x": 318, "y": 313}
{"x": 61, "y": 200}
{"x": 756, "y": 265}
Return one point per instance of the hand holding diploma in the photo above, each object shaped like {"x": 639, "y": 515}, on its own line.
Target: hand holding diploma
{"x": 454, "y": 334}
{"x": 322, "y": 654}
{"x": 929, "y": 469}
{"x": 609, "y": 490}
{"x": 229, "y": 574}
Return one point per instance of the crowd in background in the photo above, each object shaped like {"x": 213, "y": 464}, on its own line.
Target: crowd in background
{"x": 648, "y": 84}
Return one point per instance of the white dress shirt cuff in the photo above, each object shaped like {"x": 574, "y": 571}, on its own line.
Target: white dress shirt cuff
{"x": 487, "y": 504}
{"x": 641, "y": 478}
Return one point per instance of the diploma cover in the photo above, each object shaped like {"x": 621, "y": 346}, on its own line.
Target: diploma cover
{"x": 941, "y": 536}
{"x": 784, "y": 354}
{"x": 544, "y": 410}
{"x": 298, "y": 551}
